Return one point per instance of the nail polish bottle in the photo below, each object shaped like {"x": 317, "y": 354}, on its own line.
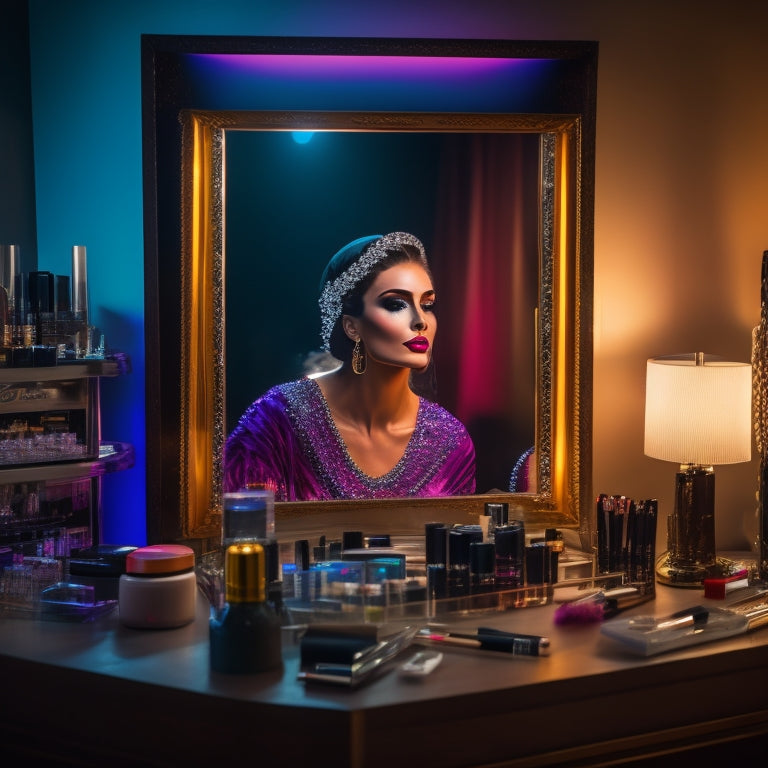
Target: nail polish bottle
{"x": 245, "y": 637}
{"x": 352, "y": 540}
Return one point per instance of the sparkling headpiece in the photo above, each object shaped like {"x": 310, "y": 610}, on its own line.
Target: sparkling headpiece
{"x": 335, "y": 290}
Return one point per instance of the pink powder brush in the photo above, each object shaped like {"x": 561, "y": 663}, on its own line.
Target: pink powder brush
{"x": 600, "y": 605}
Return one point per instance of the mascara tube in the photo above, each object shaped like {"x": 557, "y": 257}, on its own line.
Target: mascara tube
{"x": 436, "y": 543}
{"x": 458, "y": 567}
{"x": 488, "y": 639}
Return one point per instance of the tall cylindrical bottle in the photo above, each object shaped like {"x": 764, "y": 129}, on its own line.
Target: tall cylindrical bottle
{"x": 245, "y": 637}
{"x": 510, "y": 553}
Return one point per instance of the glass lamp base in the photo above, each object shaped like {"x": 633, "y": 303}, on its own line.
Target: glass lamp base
{"x": 693, "y": 575}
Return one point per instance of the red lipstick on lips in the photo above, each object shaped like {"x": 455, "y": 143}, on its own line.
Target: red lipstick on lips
{"x": 417, "y": 344}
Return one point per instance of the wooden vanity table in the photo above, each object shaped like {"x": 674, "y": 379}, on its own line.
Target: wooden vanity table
{"x": 102, "y": 694}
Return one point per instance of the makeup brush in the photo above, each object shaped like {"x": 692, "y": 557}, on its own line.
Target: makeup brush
{"x": 599, "y": 606}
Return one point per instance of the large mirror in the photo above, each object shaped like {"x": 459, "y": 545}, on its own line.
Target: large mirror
{"x": 222, "y": 185}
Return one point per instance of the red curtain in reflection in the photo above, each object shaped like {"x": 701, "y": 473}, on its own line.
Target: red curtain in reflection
{"x": 486, "y": 272}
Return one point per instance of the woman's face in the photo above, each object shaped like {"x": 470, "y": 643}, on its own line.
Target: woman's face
{"x": 398, "y": 323}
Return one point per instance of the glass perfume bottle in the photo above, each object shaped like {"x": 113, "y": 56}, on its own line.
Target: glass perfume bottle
{"x": 245, "y": 636}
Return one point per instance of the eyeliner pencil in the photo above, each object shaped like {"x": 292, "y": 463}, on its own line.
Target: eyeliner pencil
{"x": 487, "y": 639}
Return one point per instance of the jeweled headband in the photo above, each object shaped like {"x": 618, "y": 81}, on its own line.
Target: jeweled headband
{"x": 363, "y": 254}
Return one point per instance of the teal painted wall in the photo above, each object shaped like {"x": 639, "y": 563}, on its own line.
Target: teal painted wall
{"x": 17, "y": 210}
{"x": 680, "y": 185}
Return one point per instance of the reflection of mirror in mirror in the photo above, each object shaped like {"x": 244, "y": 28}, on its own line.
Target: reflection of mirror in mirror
{"x": 473, "y": 199}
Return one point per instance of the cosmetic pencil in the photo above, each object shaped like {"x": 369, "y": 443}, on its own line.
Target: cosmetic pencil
{"x": 487, "y": 639}
{"x": 604, "y": 509}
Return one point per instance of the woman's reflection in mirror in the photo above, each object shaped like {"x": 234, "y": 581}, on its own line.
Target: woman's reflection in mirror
{"x": 367, "y": 427}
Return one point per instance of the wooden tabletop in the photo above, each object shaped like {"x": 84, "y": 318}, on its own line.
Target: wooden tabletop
{"x": 147, "y": 697}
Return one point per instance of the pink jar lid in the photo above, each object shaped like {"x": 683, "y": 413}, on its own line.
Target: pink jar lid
{"x": 158, "y": 559}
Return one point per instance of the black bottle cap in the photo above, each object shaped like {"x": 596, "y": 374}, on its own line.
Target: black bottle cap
{"x": 436, "y": 542}
{"x": 352, "y": 540}
{"x": 318, "y": 554}
{"x": 271, "y": 560}
{"x": 474, "y": 532}
{"x": 535, "y": 570}
{"x": 40, "y": 285}
{"x": 458, "y": 547}
{"x": 103, "y": 560}
{"x": 482, "y": 555}
{"x": 301, "y": 555}
{"x": 510, "y": 540}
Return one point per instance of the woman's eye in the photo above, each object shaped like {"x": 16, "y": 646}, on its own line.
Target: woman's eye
{"x": 428, "y": 306}
{"x": 394, "y": 304}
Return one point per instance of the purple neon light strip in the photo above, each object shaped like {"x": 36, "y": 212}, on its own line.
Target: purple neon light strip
{"x": 364, "y": 67}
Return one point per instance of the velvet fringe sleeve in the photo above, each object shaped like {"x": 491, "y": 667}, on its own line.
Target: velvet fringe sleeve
{"x": 265, "y": 449}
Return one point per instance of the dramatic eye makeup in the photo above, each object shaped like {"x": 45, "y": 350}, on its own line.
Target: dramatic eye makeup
{"x": 428, "y": 305}
{"x": 396, "y": 301}
{"x": 393, "y": 303}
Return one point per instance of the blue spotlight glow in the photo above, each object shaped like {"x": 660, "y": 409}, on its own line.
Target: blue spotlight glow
{"x": 302, "y": 137}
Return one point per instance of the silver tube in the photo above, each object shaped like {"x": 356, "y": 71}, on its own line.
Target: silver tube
{"x": 79, "y": 283}
{"x": 10, "y": 264}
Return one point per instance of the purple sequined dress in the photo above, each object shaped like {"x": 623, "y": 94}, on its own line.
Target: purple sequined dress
{"x": 288, "y": 441}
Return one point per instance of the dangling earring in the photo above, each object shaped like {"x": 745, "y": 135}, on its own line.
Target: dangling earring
{"x": 359, "y": 361}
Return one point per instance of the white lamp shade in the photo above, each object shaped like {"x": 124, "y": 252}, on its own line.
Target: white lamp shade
{"x": 698, "y": 414}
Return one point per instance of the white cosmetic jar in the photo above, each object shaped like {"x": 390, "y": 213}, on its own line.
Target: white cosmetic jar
{"x": 158, "y": 589}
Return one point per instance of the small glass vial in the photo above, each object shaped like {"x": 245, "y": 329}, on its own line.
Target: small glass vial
{"x": 496, "y": 514}
{"x": 249, "y": 515}
{"x": 158, "y": 589}
{"x": 245, "y": 636}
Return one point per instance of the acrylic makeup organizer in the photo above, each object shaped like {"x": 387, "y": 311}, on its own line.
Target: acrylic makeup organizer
{"x": 51, "y": 454}
{"x": 50, "y": 487}
{"x": 381, "y": 590}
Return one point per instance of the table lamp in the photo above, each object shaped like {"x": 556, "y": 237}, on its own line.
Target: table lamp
{"x": 697, "y": 414}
